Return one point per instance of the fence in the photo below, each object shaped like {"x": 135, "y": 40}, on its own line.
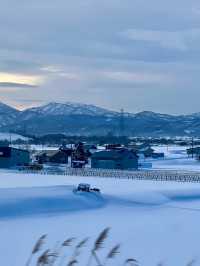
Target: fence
{"x": 157, "y": 175}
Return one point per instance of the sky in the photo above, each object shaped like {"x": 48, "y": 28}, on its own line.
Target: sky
{"x": 132, "y": 54}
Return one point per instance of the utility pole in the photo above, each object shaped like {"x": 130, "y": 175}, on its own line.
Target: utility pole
{"x": 192, "y": 147}
{"x": 10, "y": 144}
{"x": 121, "y": 124}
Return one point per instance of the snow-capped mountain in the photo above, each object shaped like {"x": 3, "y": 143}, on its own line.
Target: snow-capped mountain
{"x": 66, "y": 109}
{"x": 6, "y": 109}
{"x": 11, "y": 136}
{"x": 7, "y": 114}
{"x": 83, "y": 119}
{"x": 152, "y": 115}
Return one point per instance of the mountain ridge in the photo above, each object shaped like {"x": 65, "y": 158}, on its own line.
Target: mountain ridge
{"x": 79, "y": 104}
{"x": 85, "y": 119}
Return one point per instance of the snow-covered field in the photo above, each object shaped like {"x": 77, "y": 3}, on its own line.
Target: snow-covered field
{"x": 175, "y": 158}
{"x": 154, "y": 221}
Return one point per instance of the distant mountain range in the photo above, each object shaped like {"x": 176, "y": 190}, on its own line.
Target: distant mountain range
{"x": 82, "y": 119}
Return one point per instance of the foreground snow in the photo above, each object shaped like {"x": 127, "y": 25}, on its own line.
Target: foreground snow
{"x": 153, "y": 221}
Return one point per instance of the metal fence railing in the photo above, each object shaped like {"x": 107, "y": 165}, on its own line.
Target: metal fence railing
{"x": 157, "y": 175}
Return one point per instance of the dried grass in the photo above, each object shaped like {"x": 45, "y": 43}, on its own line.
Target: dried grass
{"x": 101, "y": 239}
{"x": 39, "y": 244}
{"x": 49, "y": 257}
{"x": 72, "y": 263}
{"x": 113, "y": 252}
{"x": 131, "y": 262}
{"x": 37, "y": 247}
{"x": 45, "y": 258}
{"x": 68, "y": 242}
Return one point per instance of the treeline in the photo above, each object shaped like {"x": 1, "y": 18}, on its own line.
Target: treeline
{"x": 60, "y": 139}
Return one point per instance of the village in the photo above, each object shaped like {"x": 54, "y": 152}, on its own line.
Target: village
{"x": 134, "y": 155}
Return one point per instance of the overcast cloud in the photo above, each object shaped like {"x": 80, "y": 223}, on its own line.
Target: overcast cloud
{"x": 135, "y": 54}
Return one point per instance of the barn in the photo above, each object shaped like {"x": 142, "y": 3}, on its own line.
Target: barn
{"x": 12, "y": 157}
{"x": 123, "y": 159}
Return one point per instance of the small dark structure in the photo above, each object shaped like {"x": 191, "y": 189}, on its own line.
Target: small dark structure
{"x": 157, "y": 155}
{"x": 143, "y": 149}
{"x": 194, "y": 152}
{"x": 147, "y": 152}
{"x": 32, "y": 167}
{"x": 12, "y": 157}
{"x": 79, "y": 157}
{"x": 113, "y": 146}
{"x": 89, "y": 149}
{"x": 53, "y": 156}
{"x": 123, "y": 159}
{"x": 66, "y": 150}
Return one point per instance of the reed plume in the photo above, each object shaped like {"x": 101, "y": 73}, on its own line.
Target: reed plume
{"x": 101, "y": 239}
{"x": 37, "y": 247}
{"x": 45, "y": 258}
{"x": 72, "y": 262}
{"x": 76, "y": 252}
{"x": 131, "y": 262}
{"x": 68, "y": 242}
{"x": 113, "y": 252}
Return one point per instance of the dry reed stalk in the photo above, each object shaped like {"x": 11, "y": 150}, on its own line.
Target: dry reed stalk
{"x": 98, "y": 244}
{"x": 67, "y": 243}
{"x": 77, "y": 249}
{"x": 112, "y": 253}
{"x": 56, "y": 250}
{"x": 82, "y": 243}
{"x": 45, "y": 258}
{"x": 37, "y": 247}
{"x": 131, "y": 262}
{"x": 72, "y": 262}
{"x": 101, "y": 239}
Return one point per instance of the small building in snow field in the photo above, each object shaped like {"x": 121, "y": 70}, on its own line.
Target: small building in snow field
{"x": 158, "y": 155}
{"x": 122, "y": 159}
{"x": 147, "y": 152}
{"x": 12, "y": 157}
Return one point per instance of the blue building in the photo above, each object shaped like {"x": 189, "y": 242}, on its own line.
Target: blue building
{"x": 122, "y": 159}
{"x": 12, "y": 157}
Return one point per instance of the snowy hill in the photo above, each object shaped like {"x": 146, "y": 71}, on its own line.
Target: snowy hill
{"x": 6, "y": 108}
{"x": 66, "y": 109}
{"x": 7, "y": 114}
{"x": 11, "y": 136}
{"x": 153, "y": 115}
{"x": 54, "y": 108}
